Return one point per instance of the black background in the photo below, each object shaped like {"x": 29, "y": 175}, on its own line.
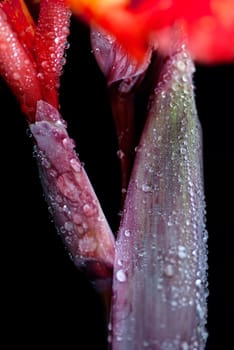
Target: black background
{"x": 46, "y": 301}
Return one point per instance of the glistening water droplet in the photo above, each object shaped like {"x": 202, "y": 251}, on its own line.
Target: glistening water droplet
{"x": 121, "y": 276}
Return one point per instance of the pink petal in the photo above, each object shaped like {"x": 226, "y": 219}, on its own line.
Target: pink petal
{"x": 71, "y": 198}
{"x": 114, "y": 60}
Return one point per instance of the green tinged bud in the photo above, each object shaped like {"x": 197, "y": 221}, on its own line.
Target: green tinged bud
{"x": 160, "y": 270}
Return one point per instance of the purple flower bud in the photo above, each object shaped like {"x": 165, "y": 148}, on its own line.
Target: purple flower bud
{"x": 159, "y": 290}
{"x": 71, "y": 198}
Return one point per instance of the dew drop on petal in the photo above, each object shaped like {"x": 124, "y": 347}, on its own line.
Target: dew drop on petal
{"x": 181, "y": 65}
{"x": 16, "y": 76}
{"x": 169, "y": 271}
{"x": 198, "y": 283}
{"x": 81, "y": 228}
{"x": 75, "y": 165}
{"x": 127, "y": 233}
{"x": 87, "y": 244}
{"x": 121, "y": 276}
{"x": 182, "y": 252}
{"x": 146, "y": 188}
{"x": 68, "y": 226}
{"x": 77, "y": 219}
{"x": 109, "y": 338}
{"x": 89, "y": 209}
{"x": 145, "y": 344}
{"x": 184, "y": 346}
{"x": 119, "y": 262}
{"x": 119, "y": 338}
{"x": 120, "y": 154}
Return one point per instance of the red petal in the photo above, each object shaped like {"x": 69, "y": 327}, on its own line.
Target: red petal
{"x": 21, "y": 22}
{"x": 208, "y": 25}
{"x": 50, "y": 42}
{"x": 135, "y": 26}
{"x": 116, "y": 20}
{"x": 17, "y": 68}
{"x": 211, "y": 38}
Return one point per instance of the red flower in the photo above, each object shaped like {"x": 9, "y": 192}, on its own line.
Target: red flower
{"x": 207, "y": 24}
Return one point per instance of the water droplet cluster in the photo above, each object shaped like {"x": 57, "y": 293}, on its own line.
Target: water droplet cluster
{"x": 50, "y": 44}
{"x": 72, "y": 202}
{"x": 17, "y": 69}
{"x": 165, "y": 257}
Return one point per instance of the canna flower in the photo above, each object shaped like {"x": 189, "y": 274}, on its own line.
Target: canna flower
{"x": 208, "y": 25}
{"x": 156, "y": 267}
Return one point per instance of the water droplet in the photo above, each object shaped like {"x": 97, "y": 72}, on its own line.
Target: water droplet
{"x": 198, "y": 283}
{"x": 145, "y": 344}
{"x": 109, "y": 338}
{"x": 184, "y": 346}
{"x": 75, "y": 165}
{"x": 169, "y": 270}
{"x": 185, "y": 78}
{"x": 65, "y": 30}
{"x": 58, "y": 199}
{"x": 69, "y": 240}
{"x": 77, "y": 218}
{"x": 121, "y": 276}
{"x": 66, "y": 143}
{"x": 182, "y": 252}
{"x": 65, "y": 209}
{"x": 87, "y": 244}
{"x": 16, "y": 76}
{"x": 45, "y": 163}
{"x": 146, "y": 188}
{"x": 89, "y": 209}
{"x": 118, "y": 338}
{"x": 82, "y": 228}
{"x": 62, "y": 63}
{"x": 68, "y": 226}
{"x": 159, "y": 286}
{"x": 60, "y": 124}
{"x": 67, "y": 45}
{"x": 56, "y": 40}
{"x": 119, "y": 262}
{"x": 120, "y": 154}
{"x": 173, "y": 303}
{"x": 181, "y": 65}
{"x": 127, "y": 233}
{"x": 67, "y": 187}
{"x": 44, "y": 64}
